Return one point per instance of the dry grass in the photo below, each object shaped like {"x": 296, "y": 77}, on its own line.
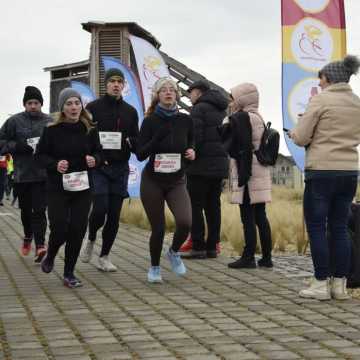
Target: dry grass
{"x": 284, "y": 213}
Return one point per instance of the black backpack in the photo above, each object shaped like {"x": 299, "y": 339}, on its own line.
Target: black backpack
{"x": 269, "y": 146}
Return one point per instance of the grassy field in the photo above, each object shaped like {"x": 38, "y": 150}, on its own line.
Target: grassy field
{"x": 285, "y": 215}
{"x": 284, "y": 212}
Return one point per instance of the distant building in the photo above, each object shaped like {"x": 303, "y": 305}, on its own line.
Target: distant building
{"x": 286, "y": 173}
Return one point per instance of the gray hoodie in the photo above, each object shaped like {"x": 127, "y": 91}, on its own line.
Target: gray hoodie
{"x": 16, "y": 135}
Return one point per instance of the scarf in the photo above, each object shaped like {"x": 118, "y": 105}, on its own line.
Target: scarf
{"x": 163, "y": 112}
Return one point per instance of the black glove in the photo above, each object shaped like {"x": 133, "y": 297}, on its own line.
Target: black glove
{"x": 162, "y": 133}
{"x": 23, "y": 148}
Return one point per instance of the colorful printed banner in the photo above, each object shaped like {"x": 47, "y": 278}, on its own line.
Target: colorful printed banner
{"x": 313, "y": 34}
{"x": 131, "y": 94}
{"x": 87, "y": 95}
{"x": 150, "y": 64}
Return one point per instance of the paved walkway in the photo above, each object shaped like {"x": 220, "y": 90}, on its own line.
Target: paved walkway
{"x": 211, "y": 313}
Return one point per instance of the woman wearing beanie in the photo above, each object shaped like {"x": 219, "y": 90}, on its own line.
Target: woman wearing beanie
{"x": 329, "y": 129}
{"x": 250, "y": 182}
{"x": 166, "y": 137}
{"x": 68, "y": 148}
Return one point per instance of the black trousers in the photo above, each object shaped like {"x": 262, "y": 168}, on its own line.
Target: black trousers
{"x": 205, "y": 195}
{"x": 2, "y": 182}
{"x": 68, "y": 215}
{"x": 153, "y": 196}
{"x": 9, "y": 184}
{"x": 105, "y": 207}
{"x": 253, "y": 216}
{"x": 32, "y": 203}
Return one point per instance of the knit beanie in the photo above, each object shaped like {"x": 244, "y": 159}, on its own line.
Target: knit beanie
{"x": 65, "y": 94}
{"x": 32, "y": 93}
{"x": 113, "y": 72}
{"x": 162, "y": 82}
{"x": 341, "y": 71}
{"x": 202, "y": 85}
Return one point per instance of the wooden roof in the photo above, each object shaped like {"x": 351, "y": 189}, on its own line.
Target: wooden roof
{"x": 133, "y": 27}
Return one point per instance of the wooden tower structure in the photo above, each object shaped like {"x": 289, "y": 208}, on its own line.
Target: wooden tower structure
{"x": 111, "y": 39}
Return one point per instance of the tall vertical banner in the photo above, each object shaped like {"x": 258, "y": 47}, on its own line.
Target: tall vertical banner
{"x": 132, "y": 95}
{"x": 313, "y": 34}
{"x": 150, "y": 64}
{"x": 85, "y": 91}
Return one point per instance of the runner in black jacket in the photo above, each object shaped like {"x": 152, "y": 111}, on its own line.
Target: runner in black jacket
{"x": 166, "y": 137}
{"x": 117, "y": 123}
{"x": 20, "y": 133}
{"x": 67, "y": 149}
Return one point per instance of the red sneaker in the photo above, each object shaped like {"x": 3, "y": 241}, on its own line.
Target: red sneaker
{"x": 40, "y": 253}
{"x": 26, "y": 247}
{"x": 186, "y": 247}
{"x": 218, "y": 248}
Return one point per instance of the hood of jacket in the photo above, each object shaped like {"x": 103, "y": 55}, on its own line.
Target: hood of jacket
{"x": 246, "y": 97}
{"x": 215, "y": 98}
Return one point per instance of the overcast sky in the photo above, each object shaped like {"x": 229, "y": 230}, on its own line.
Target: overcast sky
{"x": 229, "y": 42}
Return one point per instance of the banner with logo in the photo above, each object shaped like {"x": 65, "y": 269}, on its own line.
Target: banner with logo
{"x": 313, "y": 34}
{"x": 85, "y": 91}
{"x": 132, "y": 95}
{"x": 151, "y": 66}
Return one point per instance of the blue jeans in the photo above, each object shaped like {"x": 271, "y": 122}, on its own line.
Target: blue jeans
{"x": 327, "y": 204}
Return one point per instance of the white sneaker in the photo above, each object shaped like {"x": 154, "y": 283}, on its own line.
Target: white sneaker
{"x": 106, "y": 265}
{"x": 338, "y": 289}
{"x": 154, "y": 275}
{"x": 87, "y": 250}
{"x": 176, "y": 263}
{"x": 318, "y": 289}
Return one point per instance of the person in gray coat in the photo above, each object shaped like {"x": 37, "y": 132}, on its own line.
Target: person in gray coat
{"x": 19, "y": 135}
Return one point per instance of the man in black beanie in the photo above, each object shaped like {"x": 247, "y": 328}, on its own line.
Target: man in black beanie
{"x": 117, "y": 123}
{"x": 21, "y": 132}
{"x": 206, "y": 172}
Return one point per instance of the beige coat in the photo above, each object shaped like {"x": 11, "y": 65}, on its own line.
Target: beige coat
{"x": 246, "y": 97}
{"x": 330, "y": 127}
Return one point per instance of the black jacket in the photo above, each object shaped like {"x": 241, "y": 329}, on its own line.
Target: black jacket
{"x": 237, "y": 139}
{"x": 71, "y": 142}
{"x": 116, "y": 115}
{"x": 162, "y": 135}
{"x": 13, "y": 137}
{"x": 211, "y": 158}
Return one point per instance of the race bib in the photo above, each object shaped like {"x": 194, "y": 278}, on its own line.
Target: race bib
{"x": 76, "y": 181}
{"x": 33, "y": 142}
{"x": 110, "y": 140}
{"x": 167, "y": 163}
{"x": 2, "y": 158}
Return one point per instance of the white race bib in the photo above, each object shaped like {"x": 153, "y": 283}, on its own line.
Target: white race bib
{"x": 33, "y": 142}
{"x": 110, "y": 140}
{"x": 2, "y": 158}
{"x": 76, "y": 181}
{"x": 167, "y": 163}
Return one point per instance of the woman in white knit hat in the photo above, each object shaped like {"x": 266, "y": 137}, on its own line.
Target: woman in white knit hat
{"x": 166, "y": 138}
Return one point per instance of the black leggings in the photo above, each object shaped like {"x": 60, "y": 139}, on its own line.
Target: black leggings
{"x": 252, "y": 216}
{"x": 105, "y": 206}
{"x": 32, "y": 203}
{"x": 153, "y": 195}
{"x": 68, "y": 215}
